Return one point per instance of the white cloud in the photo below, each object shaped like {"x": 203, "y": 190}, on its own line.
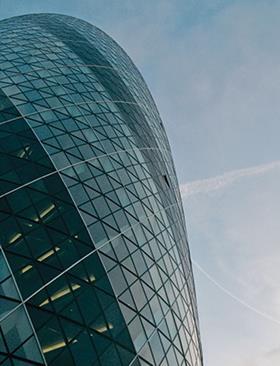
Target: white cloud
{"x": 217, "y": 87}
{"x": 203, "y": 186}
{"x": 234, "y": 235}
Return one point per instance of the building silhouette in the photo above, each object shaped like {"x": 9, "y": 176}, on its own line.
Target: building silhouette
{"x": 94, "y": 263}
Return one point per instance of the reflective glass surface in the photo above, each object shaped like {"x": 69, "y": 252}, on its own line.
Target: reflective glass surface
{"x": 95, "y": 265}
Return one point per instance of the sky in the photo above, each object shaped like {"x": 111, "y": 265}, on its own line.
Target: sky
{"x": 213, "y": 68}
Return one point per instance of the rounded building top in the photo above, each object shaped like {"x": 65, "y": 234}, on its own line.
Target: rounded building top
{"x": 97, "y": 268}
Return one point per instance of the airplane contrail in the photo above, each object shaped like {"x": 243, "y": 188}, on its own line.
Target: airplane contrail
{"x": 235, "y": 297}
{"x": 220, "y": 181}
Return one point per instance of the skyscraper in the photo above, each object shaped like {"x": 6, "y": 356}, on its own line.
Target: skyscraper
{"x": 94, "y": 263}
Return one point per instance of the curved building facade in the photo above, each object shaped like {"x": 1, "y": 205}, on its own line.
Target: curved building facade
{"x": 94, "y": 261}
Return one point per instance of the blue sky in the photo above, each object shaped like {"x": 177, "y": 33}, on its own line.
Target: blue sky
{"x": 213, "y": 68}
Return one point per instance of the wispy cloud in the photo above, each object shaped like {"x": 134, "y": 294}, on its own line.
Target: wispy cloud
{"x": 237, "y": 298}
{"x": 205, "y": 186}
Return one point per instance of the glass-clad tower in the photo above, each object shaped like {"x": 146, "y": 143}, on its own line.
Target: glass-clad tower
{"x": 94, "y": 261}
